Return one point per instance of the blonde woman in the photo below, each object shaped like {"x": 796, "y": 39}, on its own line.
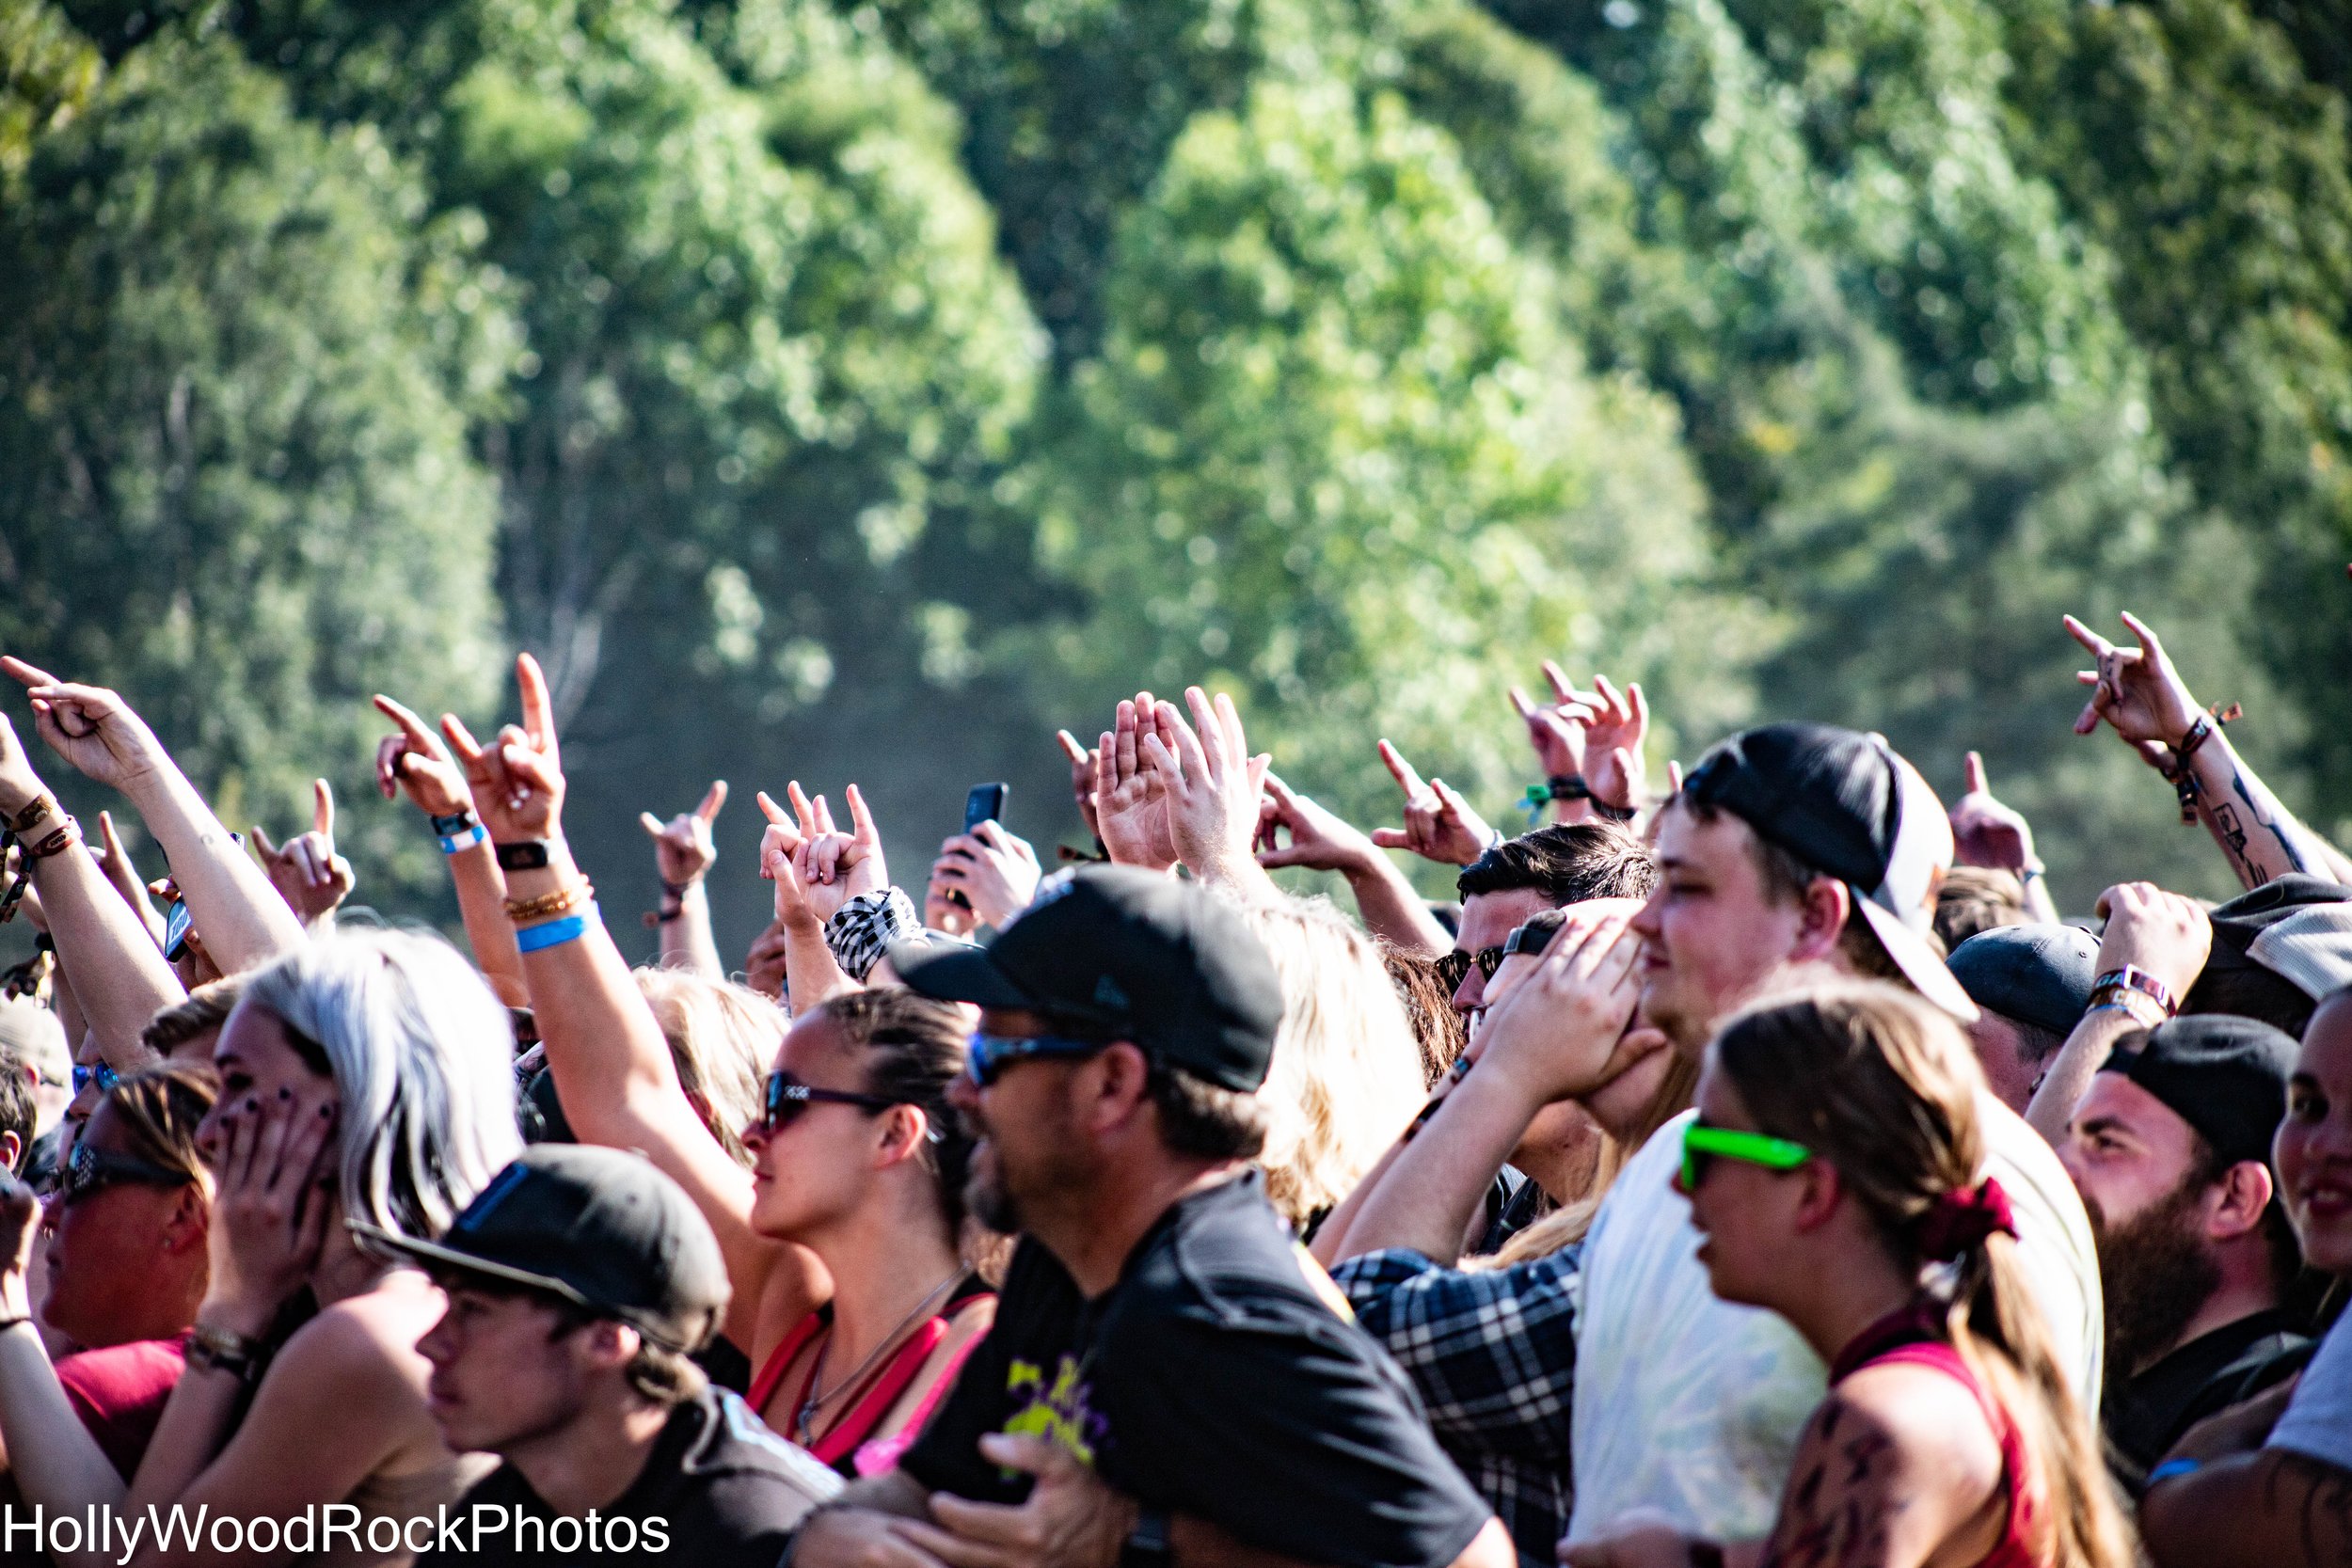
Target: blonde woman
{"x": 722, "y": 1037}
{"x": 1347, "y": 1070}
{"x": 1832, "y": 1171}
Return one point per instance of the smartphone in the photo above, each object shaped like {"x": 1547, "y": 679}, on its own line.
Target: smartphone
{"x": 985, "y": 803}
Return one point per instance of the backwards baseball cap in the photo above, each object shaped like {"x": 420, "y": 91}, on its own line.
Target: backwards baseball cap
{"x": 2225, "y": 1076}
{"x": 600, "y": 1227}
{"x": 2034, "y": 974}
{"x": 1845, "y": 804}
{"x": 1125, "y": 954}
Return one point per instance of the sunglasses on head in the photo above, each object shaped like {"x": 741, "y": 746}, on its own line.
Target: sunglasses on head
{"x": 788, "y": 1099}
{"x": 1703, "y": 1145}
{"x": 103, "y": 1075}
{"x": 986, "y": 1055}
{"x": 87, "y": 1170}
{"x": 1456, "y": 964}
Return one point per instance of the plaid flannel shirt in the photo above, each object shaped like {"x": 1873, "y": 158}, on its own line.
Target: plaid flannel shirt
{"x": 1493, "y": 1354}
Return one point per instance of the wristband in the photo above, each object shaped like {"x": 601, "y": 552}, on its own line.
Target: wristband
{"x": 563, "y": 900}
{"x": 1147, "y": 1546}
{"x": 17, "y": 1322}
{"x": 2132, "y": 978}
{"x": 530, "y": 939}
{"x": 2172, "y": 1467}
{"x": 240, "y": 1356}
{"x": 456, "y": 822}
{"x": 2131, "y": 1009}
{"x": 464, "y": 838}
{"x": 40, "y": 806}
{"x": 530, "y": 854}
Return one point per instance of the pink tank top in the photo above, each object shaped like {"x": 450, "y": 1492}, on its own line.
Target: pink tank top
{"x": 845, "y": 1445}
{"x": 1913, "y": 1337}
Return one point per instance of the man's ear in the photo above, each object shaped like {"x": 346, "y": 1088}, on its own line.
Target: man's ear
{"x": 1118, "y": 1082}
{"x": 2243, "y": 1193}
{"x": 190, "y": 1221}
{"x": 608, "y": 1344}
{"x": 1827, "y": 903}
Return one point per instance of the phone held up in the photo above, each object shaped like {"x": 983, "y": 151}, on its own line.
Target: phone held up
{"x": 985, "y": 803}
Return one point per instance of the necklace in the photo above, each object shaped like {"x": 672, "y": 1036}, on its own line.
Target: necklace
{"x": 816, "y": 1401}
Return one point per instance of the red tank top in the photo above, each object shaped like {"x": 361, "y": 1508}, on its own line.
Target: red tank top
{"x": 1913, "y": 1337}
{"x": 844, "y": 1444}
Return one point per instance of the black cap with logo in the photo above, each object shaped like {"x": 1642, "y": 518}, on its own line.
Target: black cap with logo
{"x": 1124, "y": 954}
{"x": 1846, "y": 805}
{"x": 600, "y": 1227}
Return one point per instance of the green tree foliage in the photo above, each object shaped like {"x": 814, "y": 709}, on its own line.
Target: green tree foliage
{"x": 235, "y": 371}
{"x": 47, "y": 72}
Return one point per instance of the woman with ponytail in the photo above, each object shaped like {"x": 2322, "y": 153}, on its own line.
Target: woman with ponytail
{"x": 1834, "y": 1170}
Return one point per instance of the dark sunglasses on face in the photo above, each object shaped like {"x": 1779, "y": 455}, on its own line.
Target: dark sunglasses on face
{"x": 103, "y": 1075}
{"x": 1456, "y": 964}
{"x": 89, "y": 1169}
{"x": 987, "y": 1055}
{"x": 788, "y": 1099}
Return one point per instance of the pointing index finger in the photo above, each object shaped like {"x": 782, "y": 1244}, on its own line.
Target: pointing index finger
{"x": 713, "y": 799}
{"x": 1407, "y": 779}
{"x": 1972, "y": 774}
{"x": 538, "y": 708}
{"x": 323, "y": 808}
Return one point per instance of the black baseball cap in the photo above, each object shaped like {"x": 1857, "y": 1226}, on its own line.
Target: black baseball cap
{"x": 2035, "y": 974}
{"x": 2225, "y": 1076}
{"x": 1846, "y": 805}
{"x": 600, "y": 1227}
{"x": 1125, "y": 954}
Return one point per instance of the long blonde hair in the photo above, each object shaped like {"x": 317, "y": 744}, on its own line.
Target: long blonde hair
{"x": 1886, "y": 1089}
{"x": 722, "y": 1037}
{"x": 1346, "y": 1076}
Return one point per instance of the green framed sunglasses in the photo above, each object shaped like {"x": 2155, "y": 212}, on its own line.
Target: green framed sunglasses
{"x": 1701, "y": 1144}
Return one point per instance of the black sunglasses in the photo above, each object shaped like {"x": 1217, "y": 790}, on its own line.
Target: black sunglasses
{"x": 788, "y": 1099}
{"x": 89, "y": 1169}
{"x": 1455, "y": 965}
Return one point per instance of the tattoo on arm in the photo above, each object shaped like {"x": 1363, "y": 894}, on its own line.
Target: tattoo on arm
{"x": 2277, "y": 824}
{"x": 2324, "y": 1523}
{"x": 1841, "y": 1504}
{"x": 2232, "y": 837}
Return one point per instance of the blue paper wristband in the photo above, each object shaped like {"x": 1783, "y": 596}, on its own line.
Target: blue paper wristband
{"x": 452, "y": 843}
{"x": 2172, "y": 1467}
{"x": 555, "y": 932}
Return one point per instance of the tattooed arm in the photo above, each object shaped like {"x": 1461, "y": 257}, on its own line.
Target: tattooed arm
{"x": 2263, "y": 839}
{"x": 1897, "y": 1468}
{"x": 2268, "y": 1509}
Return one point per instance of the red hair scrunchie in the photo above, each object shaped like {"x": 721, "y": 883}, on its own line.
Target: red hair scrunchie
{"x": 1962, "y": 1219}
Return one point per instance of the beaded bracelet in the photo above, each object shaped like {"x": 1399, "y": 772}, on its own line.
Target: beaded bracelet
{"x": 563, "y": 900}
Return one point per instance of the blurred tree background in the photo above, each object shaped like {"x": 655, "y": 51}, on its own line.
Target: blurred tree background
{"x": 828, "y": 390}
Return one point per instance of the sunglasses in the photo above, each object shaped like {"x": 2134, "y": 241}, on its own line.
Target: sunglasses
{"x": 89, "y": 1169}
{"x": 788, "y": 1099}
{"x": 1702, "y": 1145}
{"x": 1456, "y": 964}
{"x": 103, "y": 1075}
{"x": 987, "y": 1055}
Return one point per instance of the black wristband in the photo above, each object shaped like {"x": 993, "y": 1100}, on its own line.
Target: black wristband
{"x": 1569, "y": 786}
{"x": 1147, "y": 1546}
{"x": 530, "y": 854}
{"x": 456, "y": 823}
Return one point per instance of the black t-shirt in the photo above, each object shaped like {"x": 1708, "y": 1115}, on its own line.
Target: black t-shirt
{"x": 719, "y": 1490}
{"x": 2145, "y": 1415}
{"x": 1213, "y": 1380}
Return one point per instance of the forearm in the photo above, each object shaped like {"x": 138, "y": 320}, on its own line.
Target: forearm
{"x": 2263, "y": 839}
{"x": 688, "y": 942}
{"x": 2038, "y": 903}
{"x": 124, "y": 977}
{"x": 196, "y": 1424}
{"x": 246, "y": 924}
{"x": 1425, "y": 1200}
{"x": 1331, "y": 1241}
{"x": 811, "y": 973}
{"x": 1393, "y": 911}
{"x": 481, "y": 905}
{"x": 2264, "y": 1510}
{"x": 2071, "y": 1070}
{"x": 57, "y": 1463}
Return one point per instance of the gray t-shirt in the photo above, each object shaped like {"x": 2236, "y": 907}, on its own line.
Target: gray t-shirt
{"x": 2319, "y": 1419}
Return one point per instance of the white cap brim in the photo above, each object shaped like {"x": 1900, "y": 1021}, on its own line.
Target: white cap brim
{"x": 1917, "y": 959}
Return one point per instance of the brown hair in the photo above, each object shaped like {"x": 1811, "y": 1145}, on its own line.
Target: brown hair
{"x": 1441, "y": 1032}
{"x": 1977, "y": 899}
{"x": 1568, "y": 864}
{"x": 202, "y": 1011}
{"x": 1886, "y": 1089}
{"x": 911, "y": 1049}
{"x": 160, "y": 1109}
{"x": 722, "y": 1037}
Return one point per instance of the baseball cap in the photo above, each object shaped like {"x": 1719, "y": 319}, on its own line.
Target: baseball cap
{"x": 1846, "y": 805}
{"x": 600, "y": 1227}
{"x": 2297, "y": 926}
{"x": 2225, "y": 1076}
{"x": 2035, "y": 974}
{"x": 1131, "y": 956}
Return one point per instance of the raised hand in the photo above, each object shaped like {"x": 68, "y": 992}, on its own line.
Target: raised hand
{"x": 996, "y": 872}
{"x": 1316, "y": 839}
{"x": 841, "y": 866}
{"x": 1130, "y": 800}
{"x": 1082, "y": 764}
{"x": 19, "y": 785}
{"x": 91, "y": 727}
{"x": 2135, "y": 689}
{"x": 307, "y": 872}
{"x": 275, "y": 1165}
{"x": 517, "y": 780}
{"x": 1986, "y": 832}
{"x": 1212, "y": 784}
{"x": 1596, "y": 734}
{"x": 2165, "y": 934}
{"x": 1562, "y": 1030}
{"x": 764, "y": 965}
{"x": 415, "y": 762}
{"x": 683, "y": 847}
{"x": 1440, "y": 825}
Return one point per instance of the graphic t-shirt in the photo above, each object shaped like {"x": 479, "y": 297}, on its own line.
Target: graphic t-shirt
{"x": 1691, "y": 1406}
{"x": 718, "y": 1490}
{"x": 1217, "y": 1379}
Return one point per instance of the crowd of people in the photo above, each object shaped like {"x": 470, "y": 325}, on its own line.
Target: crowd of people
{"x": 1753, "y": 1170}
